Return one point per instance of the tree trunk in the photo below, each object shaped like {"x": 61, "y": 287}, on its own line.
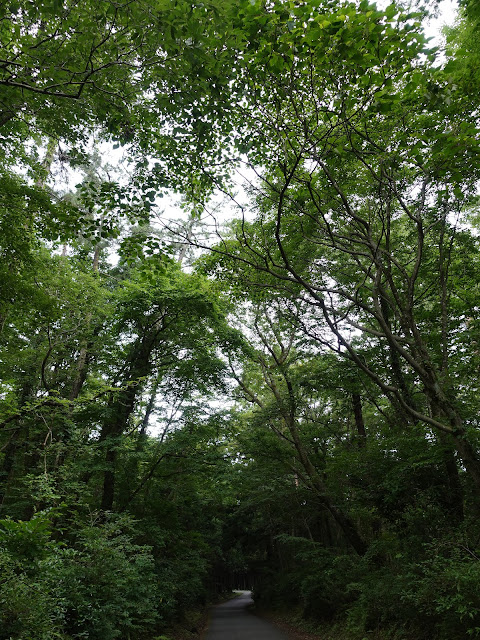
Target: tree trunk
{"x": 359, "y": 423}
{"x": 342, "y": 519}
{"x": 347, "y": 526}
{"x": 108, "y": 491}
{"x": 454, "y": 498}
{"x": 84, "y": 355}
{"x": 120, "y": 409}
{"x": 146, "y": 417}
{"x": 6, "y": 471}
{"x": 468, "y": 456}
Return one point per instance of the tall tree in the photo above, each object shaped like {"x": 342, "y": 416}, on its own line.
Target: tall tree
{"x": 273, "y": 384}
{"x": 367, "y": 174}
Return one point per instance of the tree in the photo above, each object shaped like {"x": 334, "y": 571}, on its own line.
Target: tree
{"x": 367, "y": 173}
{"x": 272, "y": 380}
{"x": 172, "y": 326}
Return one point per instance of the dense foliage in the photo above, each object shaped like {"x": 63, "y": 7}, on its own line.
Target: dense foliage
{"x": 287, "y": 400}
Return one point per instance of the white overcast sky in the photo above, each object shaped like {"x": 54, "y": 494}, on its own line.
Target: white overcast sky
{"x": 446, "y": 16}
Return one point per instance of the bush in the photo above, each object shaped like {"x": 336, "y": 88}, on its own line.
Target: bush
{"x": 436, "y": 596}
{"x": 28, "y": 609}
{"x": 444, "y": 588}
{"x": 101, "y": 587}
{"x": 106, "y": 582}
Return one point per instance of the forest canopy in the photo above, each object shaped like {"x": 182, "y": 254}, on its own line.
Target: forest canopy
{"x": 239, "y": 317}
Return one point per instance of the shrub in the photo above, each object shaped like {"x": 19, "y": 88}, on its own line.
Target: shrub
{"x": 28, "y": 609}
{"x": 101, "y": 587}
{"x": 444, "y": 588}
{"x": 106, "y": 582}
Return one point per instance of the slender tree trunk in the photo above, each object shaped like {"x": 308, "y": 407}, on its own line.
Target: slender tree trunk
{"x": 454, "y": 498}
{"x": 467, "y": 453}
{"x": 12, "y": 449}
{"x": 108, "y": 491}
{"x": 120, "y": 409}
{"x": 84, "y": 355}
{"x": 347, "y": 526}
{"x": 312, "y": 477}
{"x": 146, "y": 417}
{"x": 359, "y": 422}
{"x": 469, "y": 457}
{"x": 7, "y": 467}
{"x": 342, "y": 519}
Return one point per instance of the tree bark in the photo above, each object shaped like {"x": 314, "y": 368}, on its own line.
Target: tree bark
{"x": 359, "y": 422}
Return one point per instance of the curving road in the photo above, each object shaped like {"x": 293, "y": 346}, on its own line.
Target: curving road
{"x": 232, "y": 621}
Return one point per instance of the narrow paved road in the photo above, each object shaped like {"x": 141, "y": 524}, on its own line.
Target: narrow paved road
{"x": 231, "y": 621}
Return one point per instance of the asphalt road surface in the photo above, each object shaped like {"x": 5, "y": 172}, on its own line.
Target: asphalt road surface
{"x": 232, "y": 621}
